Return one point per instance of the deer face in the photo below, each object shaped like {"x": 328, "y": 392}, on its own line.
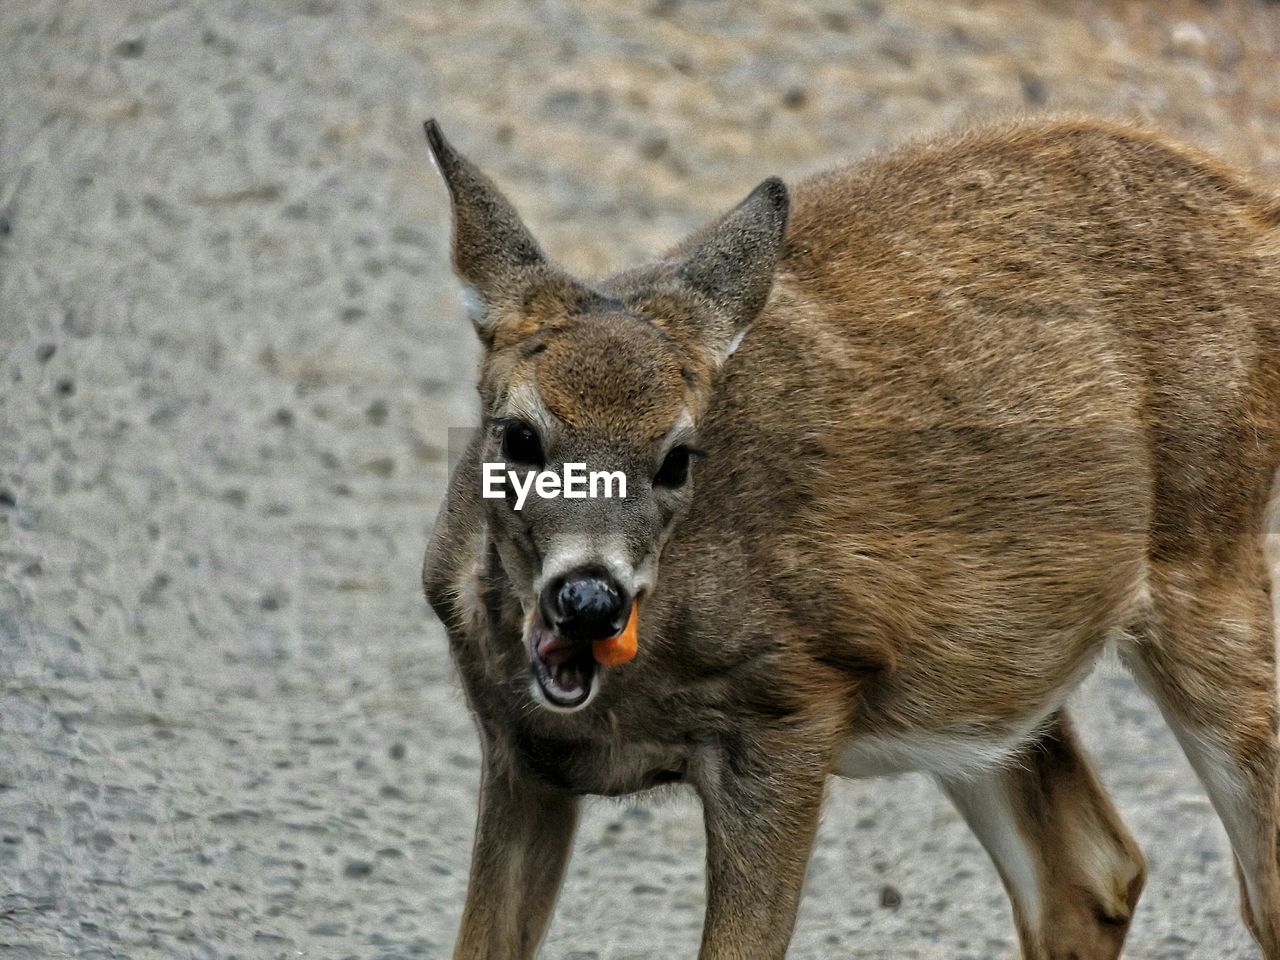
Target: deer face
{"x": 592, "y": 398}
{"x": 603, "y": 391}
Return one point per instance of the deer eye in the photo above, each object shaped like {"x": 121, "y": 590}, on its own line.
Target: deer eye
{"x": 520, "y": 443}
{"x": 674, "y": 470}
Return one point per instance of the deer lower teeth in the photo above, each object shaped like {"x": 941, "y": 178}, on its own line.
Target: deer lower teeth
{"x": 565, "y": 676}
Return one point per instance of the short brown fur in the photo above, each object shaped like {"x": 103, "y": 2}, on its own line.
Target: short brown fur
{"x": 1014, "y": 394}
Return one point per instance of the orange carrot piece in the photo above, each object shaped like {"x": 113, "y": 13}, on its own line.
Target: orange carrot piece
{"x": 619, "y": 649}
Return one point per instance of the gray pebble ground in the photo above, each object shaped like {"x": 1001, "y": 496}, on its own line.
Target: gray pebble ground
{"x": 230, "y": 353}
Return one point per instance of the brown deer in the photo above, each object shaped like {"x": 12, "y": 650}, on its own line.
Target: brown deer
{"x": 907, "y": 446}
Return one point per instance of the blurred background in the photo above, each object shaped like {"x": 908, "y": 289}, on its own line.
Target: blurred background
{"x": 230, "y": 353}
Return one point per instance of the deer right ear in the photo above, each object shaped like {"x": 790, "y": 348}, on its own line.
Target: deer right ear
{"x": 492, "y": 249}
{"x": 732, "y": 263}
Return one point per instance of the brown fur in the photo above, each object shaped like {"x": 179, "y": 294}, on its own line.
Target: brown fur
{"x": 648, "y": 398}
{"x": 1013, "y": 394}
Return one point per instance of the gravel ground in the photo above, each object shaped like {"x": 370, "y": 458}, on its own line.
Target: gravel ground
{"x": 230, "y": 353}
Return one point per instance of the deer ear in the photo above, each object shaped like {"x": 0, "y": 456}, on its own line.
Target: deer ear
{"x": 492, "y": 249}
{"x": 732, "y": 263}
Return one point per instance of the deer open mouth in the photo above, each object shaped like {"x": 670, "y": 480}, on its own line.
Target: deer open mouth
{"x": 564, "y": 670}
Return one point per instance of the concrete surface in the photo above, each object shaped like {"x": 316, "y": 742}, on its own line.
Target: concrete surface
{"x": 230, "y": 352}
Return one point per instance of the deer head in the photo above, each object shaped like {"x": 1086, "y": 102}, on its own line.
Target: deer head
{"x": 614, "y": 376}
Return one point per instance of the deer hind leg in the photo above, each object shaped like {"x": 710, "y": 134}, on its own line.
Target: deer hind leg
{"x": 1207, "y": 656}
{"x": 1072, "y": 871}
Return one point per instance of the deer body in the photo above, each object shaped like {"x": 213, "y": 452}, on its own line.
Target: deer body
{"x": 967, "y": 412}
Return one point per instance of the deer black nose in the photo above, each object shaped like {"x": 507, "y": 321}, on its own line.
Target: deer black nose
{"x": 587, "y": 605}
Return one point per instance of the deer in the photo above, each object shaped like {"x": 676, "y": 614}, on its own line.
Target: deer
{"x": 909, "y": 444}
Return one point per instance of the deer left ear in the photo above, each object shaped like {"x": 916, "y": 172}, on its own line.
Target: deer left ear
{"x": 732, "y": 264}
{"x": 492, "y": 249}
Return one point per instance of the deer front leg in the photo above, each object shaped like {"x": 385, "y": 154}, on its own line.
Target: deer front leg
{"x": 761, "y": 806}
{"x": 524, "y": 834}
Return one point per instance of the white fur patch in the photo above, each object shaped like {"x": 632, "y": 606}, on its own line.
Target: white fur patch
{"x": 1216, "y": 770}
{"x": 681, "y": 431}
{"x": 473, "y": 304}
{"x": 955, "y": 756}
{"x": 989, "y": 812}
{"x": 1224, "y": 784}
{"x": 571, "y": 551}
{"x": 564, "y": 554}
{"x": 734, "y": 344}
{"x": 525, "y": 403}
